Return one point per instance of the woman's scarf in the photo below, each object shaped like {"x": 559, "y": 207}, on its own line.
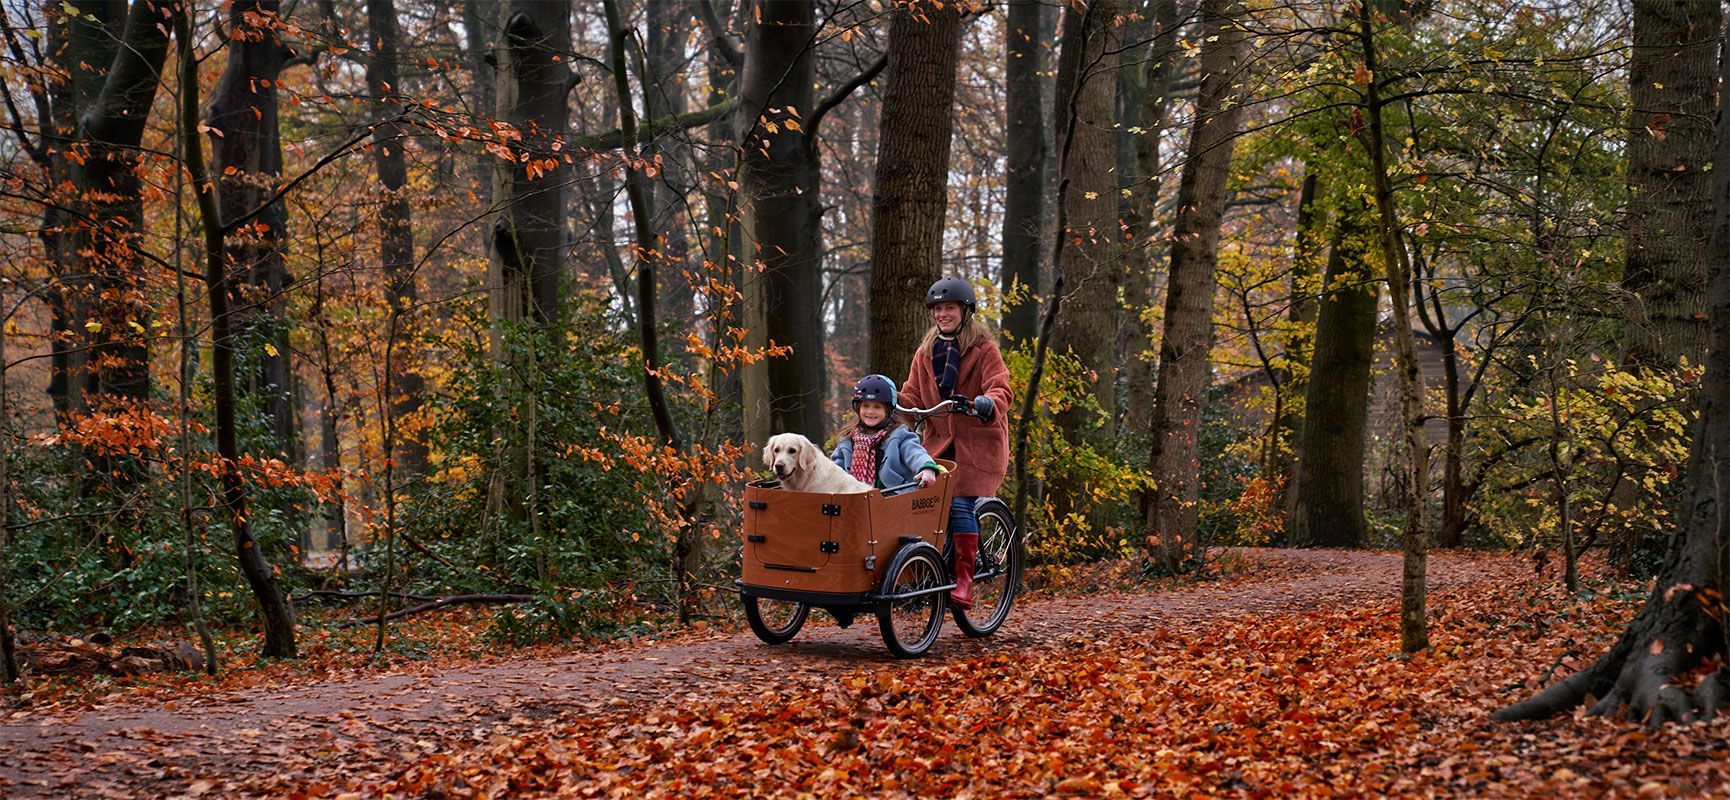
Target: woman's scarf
{"x": 864, "y": 465}
{"x": 945, "y": 364}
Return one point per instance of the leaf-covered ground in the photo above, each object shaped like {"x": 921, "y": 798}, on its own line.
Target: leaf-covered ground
{"x": 1282, "y": 681}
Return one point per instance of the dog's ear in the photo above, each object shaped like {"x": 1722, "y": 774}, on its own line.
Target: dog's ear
{"x": 769, "y": 452}
{"x": 809, "y": 455}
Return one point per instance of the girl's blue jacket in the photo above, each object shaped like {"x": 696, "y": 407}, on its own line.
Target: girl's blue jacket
{"x": 901, "y": 460}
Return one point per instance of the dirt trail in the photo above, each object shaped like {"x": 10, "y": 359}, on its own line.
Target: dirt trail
{"x": 131, "y": 749}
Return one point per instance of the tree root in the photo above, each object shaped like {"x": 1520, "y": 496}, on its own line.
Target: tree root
{"x": 1635, "y": 679}
{"x": 1558, "y": 697}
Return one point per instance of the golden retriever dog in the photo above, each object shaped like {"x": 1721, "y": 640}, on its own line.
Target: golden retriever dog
{"x": 802, "y": 467}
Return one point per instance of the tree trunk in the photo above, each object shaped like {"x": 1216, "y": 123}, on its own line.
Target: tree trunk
{"x": 483, "y": 83}
{"x": 279, "y": 636}
{"x": 1329, "y": 510}
{"x": 1171, "y": 510}
{"x": 1681, "y": 626}
{"x": 1087, "y": 70}
{"x": 1301, "y": 316}
{"x": 1670, "y": 137}
{"x": 851, "y": 133}
{"x": 533, "y": 82}
{"x": 669, "y": 26}
{"x": 85, "y": 43}
{"x": 396, "y": 225}
{"x": 1050, "y": 25}
{"x": 1025, "y": 154}
{"x": 109, "y": 191}
{"x": 1414, "y": 624}
{"x": 1144, "y": 110}
{"x": 246, "y": 155}
{"x": 1451, "y": 531}
{"x": 779, "y": 180}
{"x": 907, "y": 214}
{"x": 528, "y": 247}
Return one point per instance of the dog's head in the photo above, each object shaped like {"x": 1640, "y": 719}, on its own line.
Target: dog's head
{"x": 790, "y": 454}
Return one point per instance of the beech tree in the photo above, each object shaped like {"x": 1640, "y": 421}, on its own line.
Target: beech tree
{"x": 1144, "y": 97}
{"x": 1092, "y": 265}
{"x": 219, "y": 273}
{"x": 907, "y": 215}
{"x": 528, "y": 242}
{"x": 86, "y": 42}
{"x": 1329, "y": 496}
{"x": 1281, "y": 461}
{"x": 1328, "y": 509}
{"x": 1651, "y": 672}
{"x": 1670, "y": 139}
{"x": 779, "y": 181}
{"x": 106, "y": 243}
{"x": 396, "y": 225}
{"x": 1170, "y": 508}
{"x": 779, "y": 115}
{"x": 246, "y": 156}
{"x": 1025, "y": 152}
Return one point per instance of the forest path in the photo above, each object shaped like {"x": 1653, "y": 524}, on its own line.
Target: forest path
{"x": 149, "y": 748}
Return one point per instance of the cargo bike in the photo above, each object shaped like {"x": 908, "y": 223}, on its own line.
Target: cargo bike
{"x": 886, "y": 552}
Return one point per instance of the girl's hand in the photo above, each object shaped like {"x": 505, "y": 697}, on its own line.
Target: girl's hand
{"x": 927, "y": 477}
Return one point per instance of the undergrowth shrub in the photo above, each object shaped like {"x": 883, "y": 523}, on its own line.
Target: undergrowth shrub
{"x": 1110, "y": 526}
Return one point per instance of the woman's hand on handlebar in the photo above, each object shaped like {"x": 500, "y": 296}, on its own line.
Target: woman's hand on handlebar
{"x": 982, "y": 407}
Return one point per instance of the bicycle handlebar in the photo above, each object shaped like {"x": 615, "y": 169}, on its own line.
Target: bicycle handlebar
{"x": 946, "y": 405}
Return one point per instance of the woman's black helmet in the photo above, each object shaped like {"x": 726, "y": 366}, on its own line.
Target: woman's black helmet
{"x": 875, "y": 388}
{"x": 951, "y": 290}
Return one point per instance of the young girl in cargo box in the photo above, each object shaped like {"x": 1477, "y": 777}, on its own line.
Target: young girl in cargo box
{"x": 958, "y": 360}
{"x": 876, "y": 450}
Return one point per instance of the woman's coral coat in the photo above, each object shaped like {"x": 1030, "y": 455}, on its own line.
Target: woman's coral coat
{"x": 981, "y": 449}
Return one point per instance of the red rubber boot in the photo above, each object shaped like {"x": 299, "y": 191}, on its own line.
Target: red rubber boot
{"x": 966, "y": 551}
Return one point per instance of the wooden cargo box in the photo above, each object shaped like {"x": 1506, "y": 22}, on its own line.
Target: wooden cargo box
{"x": 834, "y": 546}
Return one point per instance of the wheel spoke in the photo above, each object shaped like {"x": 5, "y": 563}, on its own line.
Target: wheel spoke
{"x": 778, "y": 614}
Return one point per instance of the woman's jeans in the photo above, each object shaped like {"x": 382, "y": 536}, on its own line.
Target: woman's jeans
{"x": 962, "y": 517}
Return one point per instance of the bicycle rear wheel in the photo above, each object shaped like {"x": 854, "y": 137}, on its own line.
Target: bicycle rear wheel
{"x": 775, "y": 621}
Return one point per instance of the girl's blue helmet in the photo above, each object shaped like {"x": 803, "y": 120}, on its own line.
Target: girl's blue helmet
{"x": 875, "y": 388}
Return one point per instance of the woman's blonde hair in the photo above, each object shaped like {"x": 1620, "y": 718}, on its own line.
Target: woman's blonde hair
{"x": 972, "y": 333}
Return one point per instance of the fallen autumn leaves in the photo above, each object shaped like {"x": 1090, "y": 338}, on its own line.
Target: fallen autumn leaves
{"x": 1308, "y": 705}
{"x": 1311, "y": 704}
{"x": 1210, "y": 694}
